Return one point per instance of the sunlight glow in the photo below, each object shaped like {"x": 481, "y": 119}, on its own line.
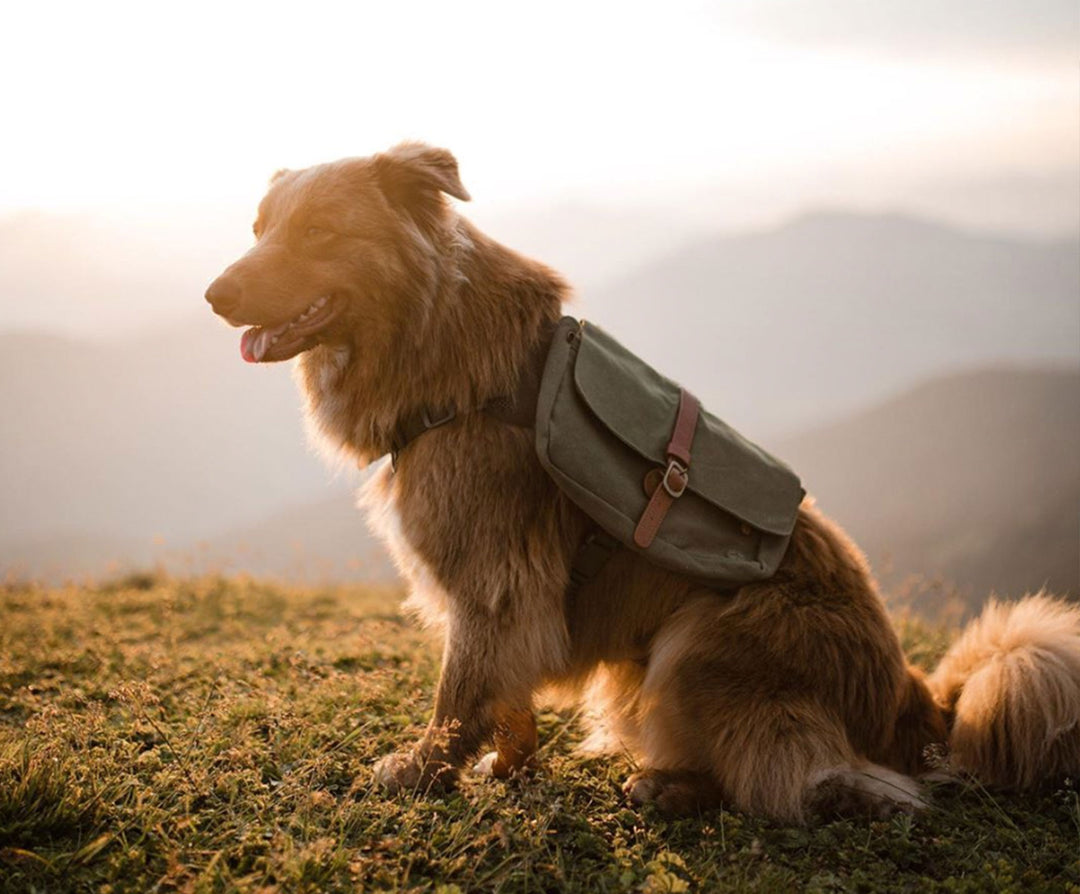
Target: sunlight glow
{"x": 125, "y": 103}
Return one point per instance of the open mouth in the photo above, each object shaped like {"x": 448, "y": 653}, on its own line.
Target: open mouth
{"x": 267, "y": 344}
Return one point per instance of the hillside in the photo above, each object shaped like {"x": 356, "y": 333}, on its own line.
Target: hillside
{"x": 324, "y": 540}
{"x": 168, "y": 435}
{"x": 218, "y": 735}
{"x": 974, "y": 478}
{"x": 780, "y": 329}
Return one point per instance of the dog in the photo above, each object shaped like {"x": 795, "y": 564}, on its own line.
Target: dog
{"x": 787, "y": 698}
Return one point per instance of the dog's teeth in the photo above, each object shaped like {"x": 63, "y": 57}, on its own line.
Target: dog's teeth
{"x": 262, "y": 342}
{"x": 321, "y": 302}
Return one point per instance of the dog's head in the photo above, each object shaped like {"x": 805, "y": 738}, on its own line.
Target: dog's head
{"x": 333, "y": 243}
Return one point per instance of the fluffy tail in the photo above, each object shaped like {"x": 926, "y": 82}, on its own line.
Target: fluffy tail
{"x": 1011, "y": 686}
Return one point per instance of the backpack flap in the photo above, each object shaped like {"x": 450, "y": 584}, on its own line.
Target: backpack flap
{"x": 604, "y": 419}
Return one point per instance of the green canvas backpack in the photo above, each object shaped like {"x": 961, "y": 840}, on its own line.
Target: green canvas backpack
{"x": 635, "y": 452}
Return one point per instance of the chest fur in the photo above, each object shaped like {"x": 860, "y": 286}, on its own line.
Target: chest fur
{"x": 324, "y": 377}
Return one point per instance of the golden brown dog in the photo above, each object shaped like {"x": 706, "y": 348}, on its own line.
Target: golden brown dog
{"x": 784, "y": 697}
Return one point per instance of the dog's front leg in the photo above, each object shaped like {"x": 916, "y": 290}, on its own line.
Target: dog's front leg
{"x": 477, "y": 700}
{"x": 515, "y": 742}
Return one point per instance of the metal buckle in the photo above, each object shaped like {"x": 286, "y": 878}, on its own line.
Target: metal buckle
{"x": 684, "y": 473}
{"x": 435, "y": 423}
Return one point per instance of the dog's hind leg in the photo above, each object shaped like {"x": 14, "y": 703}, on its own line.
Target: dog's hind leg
{"x": 676, "y": 792}
{"x": 865, "y": 790}
{"x": 724, "y": 712}
{"x": 781, "y": 758}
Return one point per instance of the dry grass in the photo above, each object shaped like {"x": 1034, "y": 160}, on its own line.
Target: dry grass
{"x": 217, "y": 735}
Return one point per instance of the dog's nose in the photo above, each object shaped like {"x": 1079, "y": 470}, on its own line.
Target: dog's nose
{"x": 223, "y": 295}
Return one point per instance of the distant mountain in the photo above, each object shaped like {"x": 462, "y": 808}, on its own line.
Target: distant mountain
{"x": 148, "y": 444}
{"x": 323, "y": 540}
{"x": 169, "y": 436}
{"x": 81, "y": 556}
{"x": 326, "y": 539}
{"x": 973, "y": 478}
{"x": 778, "y": 329}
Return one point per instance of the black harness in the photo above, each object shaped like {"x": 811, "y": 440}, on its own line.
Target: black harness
{"x": 519, "y": 410}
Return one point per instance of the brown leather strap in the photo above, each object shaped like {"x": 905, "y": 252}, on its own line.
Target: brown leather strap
{"x": 677, "y": 474}
{"x": 682, "y": 436}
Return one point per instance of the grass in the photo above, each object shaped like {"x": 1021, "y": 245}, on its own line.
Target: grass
{"x": 217, "y": 735}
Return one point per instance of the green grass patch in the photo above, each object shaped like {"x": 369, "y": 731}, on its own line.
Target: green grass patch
{"x": 217, "y": 735}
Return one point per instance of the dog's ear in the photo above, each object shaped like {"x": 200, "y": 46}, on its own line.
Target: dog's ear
{"x": 413, "y": 174}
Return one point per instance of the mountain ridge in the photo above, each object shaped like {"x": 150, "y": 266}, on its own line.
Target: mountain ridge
{"x": 922, "y": 504}
{"x": 938, "y": 480}
{"x": 166, "y": 433}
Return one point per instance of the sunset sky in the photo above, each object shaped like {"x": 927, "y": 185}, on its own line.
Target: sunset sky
{"x": 125, "y": 104}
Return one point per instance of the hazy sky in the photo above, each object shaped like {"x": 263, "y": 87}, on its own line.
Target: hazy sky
{"x": 123, "y": 103}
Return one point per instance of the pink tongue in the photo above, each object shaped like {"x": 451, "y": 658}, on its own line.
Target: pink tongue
{"x": 247, "y": 344}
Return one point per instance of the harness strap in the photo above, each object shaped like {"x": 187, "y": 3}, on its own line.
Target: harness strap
{"x": 415, "y": 424}
{"x": 590, "y": 558}
{"x": 676, "y": 476}
{"x": 517, "y": 409}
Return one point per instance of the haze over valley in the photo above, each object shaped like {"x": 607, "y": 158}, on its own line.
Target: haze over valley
{"x": 923, "y": 379}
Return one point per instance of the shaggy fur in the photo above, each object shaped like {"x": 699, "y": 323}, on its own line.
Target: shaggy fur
{"x": 787, "y": 697}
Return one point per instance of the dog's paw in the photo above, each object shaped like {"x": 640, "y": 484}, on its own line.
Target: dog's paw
{"x": 672, "y": 792}
{"x": 399, "y": 772}
{"x": 870, "y": 790}
{"x": 407, "y": 771}
{"x": 642, "y": 788}
{"x": 486, "y": 765}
